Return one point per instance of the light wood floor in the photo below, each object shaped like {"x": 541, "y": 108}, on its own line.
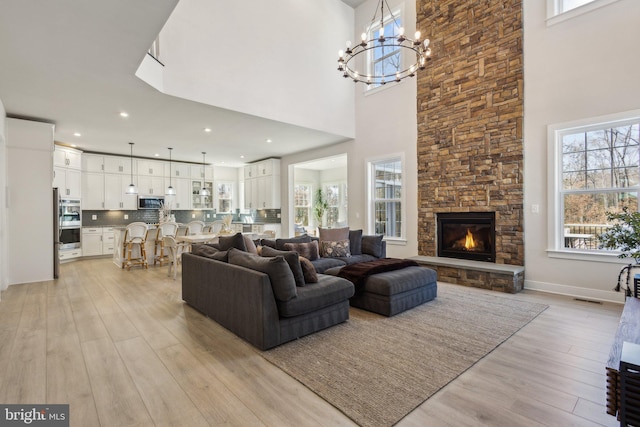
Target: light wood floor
{"x": 123, "y": 349}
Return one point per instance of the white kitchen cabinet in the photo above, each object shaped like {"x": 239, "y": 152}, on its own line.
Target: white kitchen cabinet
{"x": 107, "y": 240}
{"x": 92, "y": 163}
{"x": 67, "y": 158}
{"x": 151, "y": 185}
{"x": 251, "y": 171}
{"x": 150, "y": 168}
{"x": 268, "y": 192}
{"x": 91, "y": 241}
{"x": 68, "y": 181}
{"x": 197, "y": 172}
{"x": 182, "y": 198}
{"x": 69, "y": 254}
{"x": 116, "y": 164}
{"x": 198, "y": 201}
{"x": 92, "y": 191}
{"x": 178, "y": 170}
{"x": 115, "y": 197}
{"x": 262, "y": 185}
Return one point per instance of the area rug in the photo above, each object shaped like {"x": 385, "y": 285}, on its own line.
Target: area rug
{"x": 377, "y": 369}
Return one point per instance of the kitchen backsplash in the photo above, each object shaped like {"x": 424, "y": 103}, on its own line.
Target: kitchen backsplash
{"x": 116, "y": 218}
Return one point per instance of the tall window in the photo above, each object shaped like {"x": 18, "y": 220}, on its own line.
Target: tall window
{"x": 387, "y": 59}
{"x": 302, "y": 204}
{"x": 336, "y": 196}
{"x": 566, "y": 5}
{"x": 598, "y": 173}
{"x": 387, "y": 196}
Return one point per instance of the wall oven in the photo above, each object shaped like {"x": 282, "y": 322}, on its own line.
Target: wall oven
{"x": 70, "y": 223}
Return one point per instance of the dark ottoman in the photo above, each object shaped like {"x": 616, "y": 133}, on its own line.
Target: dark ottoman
{"x": 393, "y": 292}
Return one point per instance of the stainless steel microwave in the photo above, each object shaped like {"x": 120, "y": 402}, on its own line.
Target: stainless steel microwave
{"x": 150, "y": 202}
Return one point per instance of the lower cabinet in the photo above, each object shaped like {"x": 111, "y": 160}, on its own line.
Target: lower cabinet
{"x": 97, "y": 241}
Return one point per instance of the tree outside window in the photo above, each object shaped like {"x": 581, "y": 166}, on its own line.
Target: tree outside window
{"x": 600, "y": 174}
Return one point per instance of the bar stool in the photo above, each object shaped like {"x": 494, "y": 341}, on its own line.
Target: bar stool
{"x": 171, "y": 246}
{"x": 135, "y": 235}
{"x": 195, "y": 227}
{"x": 164, "y": 229}
{"x": 217, "y": 226}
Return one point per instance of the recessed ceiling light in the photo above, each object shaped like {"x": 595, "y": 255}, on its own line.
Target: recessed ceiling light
{"x": 74, "y": 145}
{"x": 269, "y": 141}
{"x": 242, "y": 157}
{"x": 157, "y": 155}
{"x": 124, "y": 114}
{"x": 77, "y": 134}
{"x": 207, "y": 129}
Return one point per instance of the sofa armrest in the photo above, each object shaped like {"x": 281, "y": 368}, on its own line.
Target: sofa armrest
{"x": 238, "y": 298}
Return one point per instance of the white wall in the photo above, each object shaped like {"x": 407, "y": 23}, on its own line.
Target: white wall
{"x": 281, "y": 52}
{"x": 4, "y": 281}
{"x": 386, "y": 124}
{"x": 30, "y": 201}
{"x": 583, "y": 67}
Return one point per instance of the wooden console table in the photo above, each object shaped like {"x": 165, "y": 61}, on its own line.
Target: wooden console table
{"x": 629, "y": 331}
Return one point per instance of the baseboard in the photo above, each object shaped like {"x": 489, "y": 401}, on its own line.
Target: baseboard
{"x": 574, "y": 291}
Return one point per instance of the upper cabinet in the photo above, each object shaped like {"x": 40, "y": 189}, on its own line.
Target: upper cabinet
{"x": 202, "y": 173}
{"x": 115, "y": 164}
{"x": 67, "y": 158}
{"x": 178, "y": 170}
{"x": 262, "y": 185}
{"x": 150, "y": 168}
{"x": 92, "y": 163}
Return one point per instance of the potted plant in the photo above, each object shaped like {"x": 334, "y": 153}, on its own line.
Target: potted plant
{"x": 320, "y": 206}
{"x": 623, "y": 236}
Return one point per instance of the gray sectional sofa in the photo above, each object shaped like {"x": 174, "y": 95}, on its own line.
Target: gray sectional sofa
{"x": 254, "y": 297}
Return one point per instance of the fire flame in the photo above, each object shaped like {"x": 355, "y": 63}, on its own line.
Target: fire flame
{"x": 469, "y": 243}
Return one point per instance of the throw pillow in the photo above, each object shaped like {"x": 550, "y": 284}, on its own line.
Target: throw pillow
{"x": 338, "y": 248}
{"x": 307, "y": 250}
{"x": 236, "y": 241}
{"x": 268, "y": 242}
{"x": 333, "y": 234}
{"x": 251, "y": 247}
{"x": 203, "y": 250}
{"x": 355, "y": 242}
{"x": 308, "y": 271}
{"x": 292, "y": 259}
{"x": 300, "y": 239}
{"x": 372, "y": 245}
{"x": 280, "y": 275}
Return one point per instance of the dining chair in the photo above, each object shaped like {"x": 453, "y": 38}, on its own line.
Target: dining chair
{"x": 164, "y": 229}
{"x": 195, "y": 227}
{"x": 217, "y": 226}
{"x": 171, "y": 246}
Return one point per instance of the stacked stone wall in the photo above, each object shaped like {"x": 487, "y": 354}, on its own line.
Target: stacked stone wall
{"x": 470, "y": 118}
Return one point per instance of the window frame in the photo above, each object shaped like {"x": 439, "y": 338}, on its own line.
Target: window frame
{"x": 398, "y": 14}
{"x": 556, "y": 192}
{"x": 232, "y": 199}
{"x": 371, "y": 197}
{"x": 310, "y": 218}
{"x": 342, "y": 206}
{"x": 555, "y": 15}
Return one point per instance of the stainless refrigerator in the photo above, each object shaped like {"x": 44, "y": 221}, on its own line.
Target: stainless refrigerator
{"x": 56, "y": 233}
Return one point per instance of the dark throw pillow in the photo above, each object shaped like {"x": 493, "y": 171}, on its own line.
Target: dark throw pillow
{"x": 307, "y": 250}
{"x": 308, "y": 271}
{"x": 300, "y": 239}
{"x": 279, "y": 272}
{"x": 236, "y": 241}
{"x": 333, "y": 234}
{"x": 372, "y": 245}
{"x": 338, "y": 248}
{"x": 355, "y": 242}
{"x": 292, "y": 259}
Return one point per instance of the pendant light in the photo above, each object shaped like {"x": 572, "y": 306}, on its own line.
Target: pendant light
{"x": 132, "y": 189}
{"x": 170, "y": 190}
{"x": 204, "y": 191}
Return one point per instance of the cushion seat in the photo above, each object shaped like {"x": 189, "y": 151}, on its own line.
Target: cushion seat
{"x": 322, "y": 264}
{"x": 328, "y": 291}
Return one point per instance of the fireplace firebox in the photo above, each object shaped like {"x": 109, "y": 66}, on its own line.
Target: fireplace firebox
{"x": 467, "y": 235}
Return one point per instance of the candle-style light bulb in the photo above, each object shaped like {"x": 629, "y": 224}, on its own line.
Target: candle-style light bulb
{"x": 426, "y": 43}
{"x": 418, "y": 34}
{"x": 381, "y": 32}
{"x": 348, "y": 44}
{"x": 401, "y": 31}
{"x": 363, "y": 36}
{"x": 340, "y": 54}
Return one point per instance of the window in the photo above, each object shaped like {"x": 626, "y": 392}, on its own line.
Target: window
{"x": 598, "y": 171}
{"x": 385, "y": 59}
{"x": 302, "y": 204}
{"x": 386, "y": 215}
{"x": 225, "y": 196}
{"x": 336, "y": 196}
{"x": 561, "y": 10}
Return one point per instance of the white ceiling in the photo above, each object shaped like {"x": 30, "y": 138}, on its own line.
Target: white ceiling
{"x": 72, "y": 63}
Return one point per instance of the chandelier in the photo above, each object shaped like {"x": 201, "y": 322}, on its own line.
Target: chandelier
{"x": 381, "y": 47}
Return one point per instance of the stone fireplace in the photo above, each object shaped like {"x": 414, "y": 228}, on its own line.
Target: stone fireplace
{"x": 470, "y": 118}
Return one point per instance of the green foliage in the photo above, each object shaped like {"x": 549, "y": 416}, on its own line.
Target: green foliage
{"x": 624, "y": 235}
{"x": 320, "y": 206}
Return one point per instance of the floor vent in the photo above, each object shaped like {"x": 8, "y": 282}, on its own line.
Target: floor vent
{"x": 587, "y": 300}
